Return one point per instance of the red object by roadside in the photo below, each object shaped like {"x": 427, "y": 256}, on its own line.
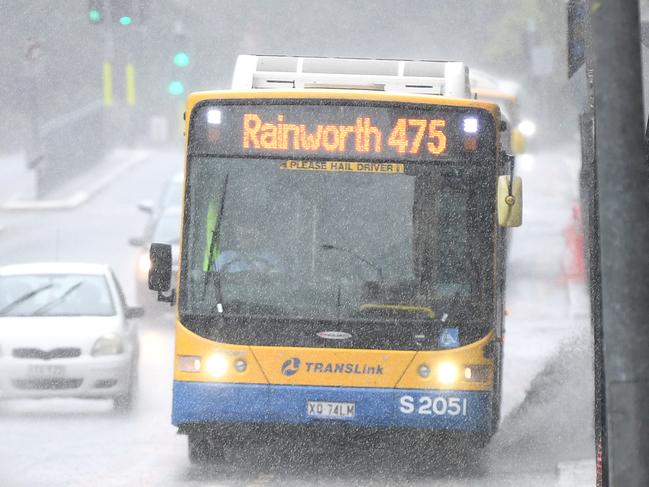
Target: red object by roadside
{"x": 575, "y": 269}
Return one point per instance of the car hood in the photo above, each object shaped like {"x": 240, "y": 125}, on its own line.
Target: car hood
{"x": 49, "y": 332}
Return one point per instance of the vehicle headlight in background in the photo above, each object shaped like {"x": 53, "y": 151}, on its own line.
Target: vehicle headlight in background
{"x": 527, "y": 128}
{"x": 107, "y": 345}
{"x": 189, "y": 363}
{"x": 447, "y": 372}
{"x": 144, "y": 264}
{"x": 216, "y": 365}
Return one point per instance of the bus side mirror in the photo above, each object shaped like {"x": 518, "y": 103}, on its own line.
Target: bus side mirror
{"x": 160, "y": 270}
{"x": 510, "y": 201}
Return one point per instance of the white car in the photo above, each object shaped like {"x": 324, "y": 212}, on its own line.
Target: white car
{"x": 66, "y": 331}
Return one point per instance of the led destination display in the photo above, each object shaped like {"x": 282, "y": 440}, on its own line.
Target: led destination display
{"x": 347, "y": 132}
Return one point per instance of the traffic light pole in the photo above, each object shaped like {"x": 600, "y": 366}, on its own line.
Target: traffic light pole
{"x": 622, "y": 178}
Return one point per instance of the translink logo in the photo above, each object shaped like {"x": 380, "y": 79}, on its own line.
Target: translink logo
{"x": 292, "y": 365}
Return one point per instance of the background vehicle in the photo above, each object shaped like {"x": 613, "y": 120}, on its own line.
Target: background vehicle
{"x": 164, "y": 227}
{"x": 170, "y": 197}
{"x": 65, "y": 330}
{"x": 506, "y": 95}
{"x": 382, "y": 306}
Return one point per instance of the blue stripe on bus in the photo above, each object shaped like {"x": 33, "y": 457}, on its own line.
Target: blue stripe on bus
{"x": 254, "y": 403}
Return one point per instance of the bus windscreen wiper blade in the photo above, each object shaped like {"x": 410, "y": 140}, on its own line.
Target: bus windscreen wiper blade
{"x": 24, "y": 298}
{"x": 216, "y": 233}
{"x": 374, "y": 266}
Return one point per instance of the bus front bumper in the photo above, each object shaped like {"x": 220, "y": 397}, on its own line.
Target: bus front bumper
{"x": 216, "y": 403}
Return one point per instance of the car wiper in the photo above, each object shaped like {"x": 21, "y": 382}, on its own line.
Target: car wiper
{"x": 59, "y": 299}
{"x": 214, "y": 238}
{"x": 24, "y": 298}
{"x": 373, "y": 265}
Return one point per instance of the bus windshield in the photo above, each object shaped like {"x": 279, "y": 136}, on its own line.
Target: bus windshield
{"x": 334, "y": 240}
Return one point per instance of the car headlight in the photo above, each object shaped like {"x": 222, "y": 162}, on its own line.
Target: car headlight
{"x": 107, "y": 345}
{"x": 144, "y": 264}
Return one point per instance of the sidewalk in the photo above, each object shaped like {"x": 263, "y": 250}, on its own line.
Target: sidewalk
{"x": 17, "y": 182}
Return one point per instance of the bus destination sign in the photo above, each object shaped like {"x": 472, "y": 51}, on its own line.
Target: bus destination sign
{"x": 346, "y": 132}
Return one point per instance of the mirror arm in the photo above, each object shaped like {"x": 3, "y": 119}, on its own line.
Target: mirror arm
{"x": 512, "y": 165}
{"x": 167, "y": 298}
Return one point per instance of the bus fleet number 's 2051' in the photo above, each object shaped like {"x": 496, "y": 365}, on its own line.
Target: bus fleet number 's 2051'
{"x": 437, "y": 406}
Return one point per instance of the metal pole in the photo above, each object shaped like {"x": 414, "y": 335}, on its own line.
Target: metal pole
{"x": 590, "y": 216}
{"x": 622, "y": 176}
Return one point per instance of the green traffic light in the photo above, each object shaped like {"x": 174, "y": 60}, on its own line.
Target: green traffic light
{"x": 181, "y": 59}
{"x": 176, "y": 88}
{"x": 125, "y": 20}
{"x": 94, "y": 16}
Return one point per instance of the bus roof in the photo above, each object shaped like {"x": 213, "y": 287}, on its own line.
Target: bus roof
{"x": 440, "y": 78}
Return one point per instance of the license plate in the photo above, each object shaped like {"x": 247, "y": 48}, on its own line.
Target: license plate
{"x": 326, "y": 409}
{"x": 46, "y": 371}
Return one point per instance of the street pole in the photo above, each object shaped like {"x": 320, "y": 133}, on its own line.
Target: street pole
{"x": 622, "y": 178}
{"x": 35, "y": 155}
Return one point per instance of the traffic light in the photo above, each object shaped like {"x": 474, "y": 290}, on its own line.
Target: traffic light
{"x": 96, "y": 11}
{"x": 176, "y": 88}
{"x": 181, "y": 60}
{"x": 122, "y": 12}
{"x": 128, "y": 12}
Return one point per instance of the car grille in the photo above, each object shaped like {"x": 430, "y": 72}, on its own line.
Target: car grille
{"x": 45, "y": 354}
{"x": 47, "y": 384}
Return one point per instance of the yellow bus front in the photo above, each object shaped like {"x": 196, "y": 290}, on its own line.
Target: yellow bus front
{"x": 341, "y": 262}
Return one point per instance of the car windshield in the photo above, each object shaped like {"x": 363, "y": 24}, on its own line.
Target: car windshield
{"x": 55, "y": 295}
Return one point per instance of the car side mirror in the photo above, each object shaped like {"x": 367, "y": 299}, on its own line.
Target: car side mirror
{"x": 136, "y": 241}
{"x": 146, "y": 206}
{"x": 134, "y": 312}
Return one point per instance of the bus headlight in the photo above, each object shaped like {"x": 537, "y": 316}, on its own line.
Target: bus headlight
{"x": 216, "y": 365}
{"x": 447, "y": 372}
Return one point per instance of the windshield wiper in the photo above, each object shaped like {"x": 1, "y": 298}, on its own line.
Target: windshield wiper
{"x": 216, "y": 233}
{"x": 24, "y": 298}
{"x": 373, "y": 265}
{"x": 58, "y": 299}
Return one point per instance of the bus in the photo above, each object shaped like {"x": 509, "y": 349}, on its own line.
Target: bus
{"x": 342, "y": 261}
{"x": 505, "y": 95}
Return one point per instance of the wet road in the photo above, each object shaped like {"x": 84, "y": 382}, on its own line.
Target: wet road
{"x": 73, "y": 442}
